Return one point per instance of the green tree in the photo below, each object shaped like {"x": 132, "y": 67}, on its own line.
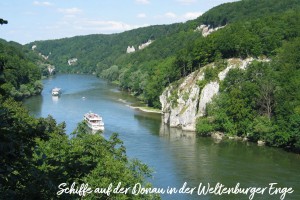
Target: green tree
{"x": 111, "y": 73}
{"x": 18, "y": 132}
{"x": 2, "y": 21}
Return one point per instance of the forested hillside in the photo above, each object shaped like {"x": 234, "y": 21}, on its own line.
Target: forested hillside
{"x": 245, "y": 10}
{"x": 98, "y": 52}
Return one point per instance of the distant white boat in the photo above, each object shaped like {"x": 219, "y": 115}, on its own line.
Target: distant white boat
{"x": 94, "y": 121}
{"x": 56, "y": 91}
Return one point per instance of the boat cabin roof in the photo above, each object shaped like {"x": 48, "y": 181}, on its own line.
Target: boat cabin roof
{"x": 92, "y": 116}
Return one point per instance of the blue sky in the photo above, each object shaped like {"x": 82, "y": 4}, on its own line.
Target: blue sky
{"x": 30, "y": 20}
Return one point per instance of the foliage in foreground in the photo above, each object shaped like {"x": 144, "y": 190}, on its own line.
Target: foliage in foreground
{"x": 36, "y": 156}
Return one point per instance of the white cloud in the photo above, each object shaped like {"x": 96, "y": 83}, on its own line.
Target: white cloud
{"x": 187, "y": 2}
{"x": 71, "y": 25}
{"x": 192, "y": 15}
{"x": 70, "y": 11}
{"x": 42, "y": 3}
{"x": 101, "y": 25}
{"x": 142, "y": 1}
{"x": 170, "y": 15}
{"x": 141, "y": 15}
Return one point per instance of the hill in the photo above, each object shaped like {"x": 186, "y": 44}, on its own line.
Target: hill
{"x": 245, "y": 10}
{"x": 98, "y": 50}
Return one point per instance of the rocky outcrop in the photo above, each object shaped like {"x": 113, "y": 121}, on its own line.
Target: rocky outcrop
{"x": 50, "y": 69}
{"x": 72, "y": 61}
{"x": 206, "y": 29}
{"x": 261, "y": 143}
{"x": 180, "y": 103}
{"x": 186, "y": 100}
{"x": 130, "y": 49}
{"x": 144, "y": 45}
{"x": 217, "y": 135}
{"x": 207, "y": 93}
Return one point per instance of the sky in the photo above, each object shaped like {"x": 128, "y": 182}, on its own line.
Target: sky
{"x": 31, "y": 20}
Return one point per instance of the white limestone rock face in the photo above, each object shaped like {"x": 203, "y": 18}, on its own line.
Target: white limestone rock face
{"x": 235, "y": 63}
{"x": 207, "y": 93}
{"x": 142, "y": 46}
{"x": 184, "y": 101}
{"x": 206, "y": 30}
{"x": 130, "y": 49}
{"x": 182, "y": 111}
{"x": 72, "y": 61}
{"x": 51, "y": 69}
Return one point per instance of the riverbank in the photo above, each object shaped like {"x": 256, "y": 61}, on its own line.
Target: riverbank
{"x": 147, "y": 109}
{"x": 140, "y": 106}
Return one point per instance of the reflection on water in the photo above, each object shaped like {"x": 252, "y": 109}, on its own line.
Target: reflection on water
{"x": 174, "y": 134}
{"x": 204, "y": 160}
{"x": 55, "y": 99}
{"x": 34, "y": 104}
{"x": 175, "y": 156}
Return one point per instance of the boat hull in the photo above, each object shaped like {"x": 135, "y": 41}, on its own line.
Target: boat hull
{"x": 95, "y": 127}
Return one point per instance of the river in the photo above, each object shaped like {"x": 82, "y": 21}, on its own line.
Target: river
{"x": 175, "y": 156}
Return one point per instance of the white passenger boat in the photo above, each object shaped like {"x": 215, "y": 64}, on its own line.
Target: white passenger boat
{"x": 56, "y": 91}
{"x": 94, "y": 121}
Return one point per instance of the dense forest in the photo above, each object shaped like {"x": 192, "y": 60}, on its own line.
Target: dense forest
{"x": 98, "y": 51}
{"x": 19, "y": 76}
{"x": 245, "y": 10}
{"x": 36, "y": 153}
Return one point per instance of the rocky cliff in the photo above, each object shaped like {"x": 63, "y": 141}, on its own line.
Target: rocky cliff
{"x": 184, "y": 101}
{"x": 207, "y": 30}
